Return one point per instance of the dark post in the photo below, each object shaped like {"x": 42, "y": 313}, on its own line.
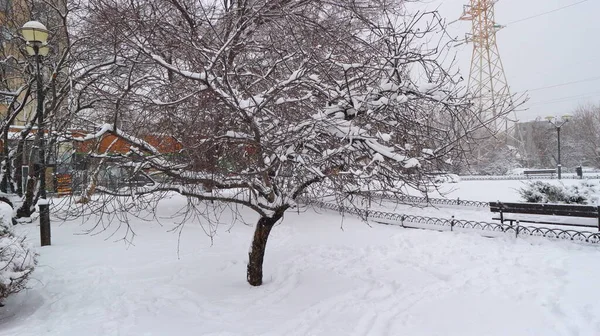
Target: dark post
{"x": 559, "y": 165}
{"x": 558, "y": 124}
{"x": 45, "y": 235}
{"x": 599, "y": 219}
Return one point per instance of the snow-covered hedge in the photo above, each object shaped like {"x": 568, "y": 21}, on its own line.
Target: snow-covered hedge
{"x": 543, "y": 192}
{"x": 17, "y": 260}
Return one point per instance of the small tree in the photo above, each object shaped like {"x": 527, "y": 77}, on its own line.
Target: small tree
{"x": 583, "y": 134}
{"x": 495, "y": 157}
{"x": 272, "y": 101}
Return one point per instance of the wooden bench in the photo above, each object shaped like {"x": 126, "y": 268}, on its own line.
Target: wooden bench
{"x": 564, "y": 210}
{"x": 548, "y": 172}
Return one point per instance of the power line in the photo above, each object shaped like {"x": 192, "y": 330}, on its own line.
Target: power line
{"x": 563, "y": 84}
{"x": 566, "y": 99}
{"x": 594, "y": 60}
{"x": 548, "y": 12}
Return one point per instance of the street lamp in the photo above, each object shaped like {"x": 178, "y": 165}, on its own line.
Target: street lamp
{"x": 36, "y": 35}
{"x": 558, "y": 123}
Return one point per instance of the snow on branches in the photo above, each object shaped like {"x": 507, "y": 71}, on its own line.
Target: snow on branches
{"x": 273, "y": 99}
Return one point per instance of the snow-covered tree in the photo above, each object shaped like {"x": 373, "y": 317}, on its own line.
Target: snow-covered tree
{"x": 274, "y": 100}
{"x": 583, "y": 135}
{"x": 71, "y": 63}
{"x": 499, "y": 158}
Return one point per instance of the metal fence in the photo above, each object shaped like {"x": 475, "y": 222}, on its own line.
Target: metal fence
{"x": 525, "y": 178}
{"x": 434, "y": 201}
{"x": 409, "y": 221}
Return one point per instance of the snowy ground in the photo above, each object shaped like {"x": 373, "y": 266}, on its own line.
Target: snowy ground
{"x": 320, "y": 279}
{"x": 488, "y": 191}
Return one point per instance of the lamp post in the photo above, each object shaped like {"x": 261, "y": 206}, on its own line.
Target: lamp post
{"x": 558, "y": 123}
{"x": 36, "y": 35}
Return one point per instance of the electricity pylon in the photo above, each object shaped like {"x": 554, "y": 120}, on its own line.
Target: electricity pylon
{"x": 487, "y": 81}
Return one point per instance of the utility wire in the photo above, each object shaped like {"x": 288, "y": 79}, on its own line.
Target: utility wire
{"x": 545, "y": 13}
{"x": 563, "y": 84}
{"x": 566, "y": 99}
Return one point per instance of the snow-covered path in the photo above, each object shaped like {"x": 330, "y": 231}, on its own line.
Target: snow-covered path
{"x": 319, "y": 280}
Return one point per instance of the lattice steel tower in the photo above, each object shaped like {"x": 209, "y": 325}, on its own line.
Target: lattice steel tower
{"x": 487, "y": 81}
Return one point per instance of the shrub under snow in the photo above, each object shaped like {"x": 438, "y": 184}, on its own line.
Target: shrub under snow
{"x": 17, "y": 260}
{"x": 543, "y": 192}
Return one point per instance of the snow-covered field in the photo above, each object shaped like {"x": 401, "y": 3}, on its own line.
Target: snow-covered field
{"x": 487, "y": 191}
{"x": 324, "y": 275}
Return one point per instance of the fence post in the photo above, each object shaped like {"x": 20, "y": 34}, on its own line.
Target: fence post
{"x": 458, "y": 201}
{"x": 517, "y": 229}
{"x": 452, "y": 224}
{"x": 402, "y": 220}
{"x": 598, "y": 218}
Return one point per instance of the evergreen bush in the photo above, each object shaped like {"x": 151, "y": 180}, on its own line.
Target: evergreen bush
{"x": 17, "y": 259}
{"x": 544, "y": 192}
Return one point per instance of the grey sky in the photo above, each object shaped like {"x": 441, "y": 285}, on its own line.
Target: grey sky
{"x": 557, "y": 48}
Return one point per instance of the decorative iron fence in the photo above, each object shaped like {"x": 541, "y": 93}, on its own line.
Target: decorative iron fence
{"x": 435, "y": 201}
{"x": 525, "y": 178}
{"x": 404, "y": 220}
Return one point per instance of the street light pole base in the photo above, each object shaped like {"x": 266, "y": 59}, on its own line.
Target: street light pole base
{"x": 559, "y": 170}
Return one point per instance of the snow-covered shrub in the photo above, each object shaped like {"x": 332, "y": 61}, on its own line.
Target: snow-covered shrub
{"x": 543, "y": 192}
{"x": 586, "y": 190}
{"x": 17, "y": 260}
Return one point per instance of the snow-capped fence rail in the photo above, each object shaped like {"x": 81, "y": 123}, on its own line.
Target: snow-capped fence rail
{"x": 489, "y": 229}
{"x": 523, "y": 177}
{"x": 434, "y": 201}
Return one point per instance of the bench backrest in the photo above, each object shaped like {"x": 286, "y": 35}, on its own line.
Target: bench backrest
{"x": 569, "y": 210}
{"x": 540, "y": 171}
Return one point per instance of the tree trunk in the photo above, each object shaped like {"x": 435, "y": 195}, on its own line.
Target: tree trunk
{"x": 6, "y": 171}
{"x": 28, "y": 206}
{"x": 18, "y": 165}
{"x": 257, "y": 252}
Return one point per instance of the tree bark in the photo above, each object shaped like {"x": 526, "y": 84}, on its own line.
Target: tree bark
{"x": 6, "y": 173}
{"x": 28, "y": 206}
{"x": 18, "y": 164}
{"x": 257, "y": 252}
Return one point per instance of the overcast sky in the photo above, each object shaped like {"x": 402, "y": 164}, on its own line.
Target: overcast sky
{"x": 549, "y": 50}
